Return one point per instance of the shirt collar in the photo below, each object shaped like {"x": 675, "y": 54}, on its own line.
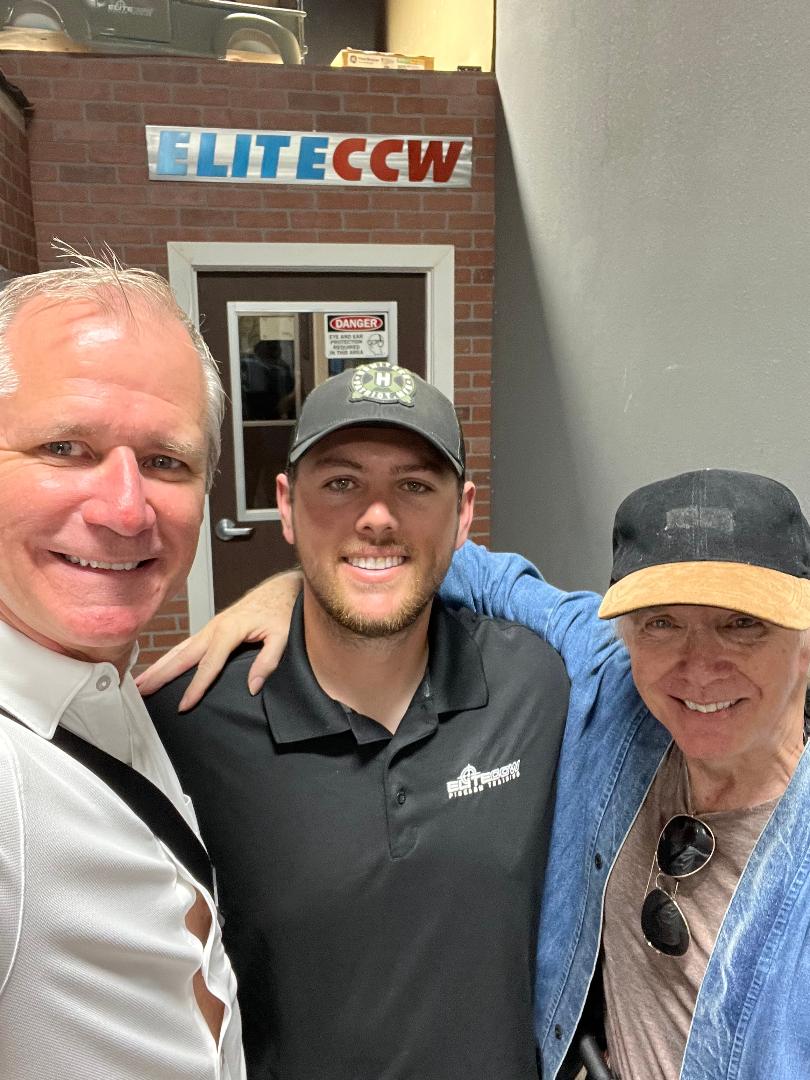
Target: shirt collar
{"x": 297, "y": 708}
{"x": 38, "y": 684}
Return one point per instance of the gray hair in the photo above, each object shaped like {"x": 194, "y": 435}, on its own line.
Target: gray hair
{"x": 107, "y": 283}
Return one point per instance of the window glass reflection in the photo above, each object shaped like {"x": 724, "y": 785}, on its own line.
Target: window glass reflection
{"x": 268, "y": 381}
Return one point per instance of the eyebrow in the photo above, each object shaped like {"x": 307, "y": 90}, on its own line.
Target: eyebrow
{"x": 335, "y": 461}
{"x": 58, "y": 432}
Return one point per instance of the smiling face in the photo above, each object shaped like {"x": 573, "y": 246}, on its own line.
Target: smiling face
{"x": 725, "y": 685}
{"x": 375, "y": 518}
{"x": 102, "y": 461}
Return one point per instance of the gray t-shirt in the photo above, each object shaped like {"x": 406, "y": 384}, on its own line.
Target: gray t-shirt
{"x": 649, "y": 997}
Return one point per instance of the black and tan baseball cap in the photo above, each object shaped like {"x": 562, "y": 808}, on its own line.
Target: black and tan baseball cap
{"x": 717, "y": 538}
{"x": 380, "y": 393}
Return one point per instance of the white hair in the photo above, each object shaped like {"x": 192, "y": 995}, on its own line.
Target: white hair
{"x": 105, "y": 282}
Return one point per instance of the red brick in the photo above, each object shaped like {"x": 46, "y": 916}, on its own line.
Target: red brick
{"x": 87, "y": 174}
{"x": 177, "y": 115}
{"x": 192, "y": 216}
{"x": 369, "y": 103}
{"x": 396, "y": 237}
{"x": 289, "y": 198}
{"x": 354, "y": 81}
{"x": 194, "y": 94}
{"x": 119, "y": 193}
{"x": 473, "y": 292}
{"x": 151, "y": 92}
{"x": 444, "y": 125}
{"x": 59, "y": 152}
{"x": 233, "y": 195}
{"x": 315, "y": 102}
{"x": 106, "y": 69}
{"x": 397, "y": 199}
{"x": 261, "y": 219}
{"x": 272, "y": 100}
{"x": 372, "y": 219}
{"x": 113, "y": 112}
{"x": 315, "y": 219}
{"x": 395, "y": 125}
{"x": 342, "y": 122}
{"x": 119, "y": 153}
{"x": 411, "y": 220}
{"x": 424, "y": 106}
{"x": 447, "y": 199}
{"x": 151, "y": 71}
{"x": 76, "y": 193}
{"x": 166, "y": 640}
{"x": 66, "y": 110}
{"x": 179, "y": 193}
{"x": 344, "y": 199}
{"x": 270, "y": 120}
{"x": 235, "y": 118}
{"x": 342, "y": 236}
{"x": 291, "y": 78}
{"x": 393, "y": 84}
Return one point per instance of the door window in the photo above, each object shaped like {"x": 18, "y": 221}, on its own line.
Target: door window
{"x": 278, "y": 353}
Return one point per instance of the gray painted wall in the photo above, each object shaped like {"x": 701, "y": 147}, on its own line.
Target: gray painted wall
{"x": 653, "y": 262}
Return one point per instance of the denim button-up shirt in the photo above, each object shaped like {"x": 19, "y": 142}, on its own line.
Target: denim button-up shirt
{"x": 752, "y": 1015}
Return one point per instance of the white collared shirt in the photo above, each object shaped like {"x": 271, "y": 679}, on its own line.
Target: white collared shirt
{"x": 96, "y": 961}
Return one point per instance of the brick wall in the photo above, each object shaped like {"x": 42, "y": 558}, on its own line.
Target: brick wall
{"x": 89, "y": 184}
{"x": 17, "y": 247}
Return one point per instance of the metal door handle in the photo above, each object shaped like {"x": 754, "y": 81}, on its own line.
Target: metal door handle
{"x": 226, "y": 529}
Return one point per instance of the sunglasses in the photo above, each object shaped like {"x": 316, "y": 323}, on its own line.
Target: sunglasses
{"x": 685, "y": 846}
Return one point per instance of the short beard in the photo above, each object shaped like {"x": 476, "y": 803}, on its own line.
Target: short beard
{"x": 330, "y": 602}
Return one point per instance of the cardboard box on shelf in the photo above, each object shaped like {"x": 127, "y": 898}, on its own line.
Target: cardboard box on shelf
{"x": 364, "y": 58}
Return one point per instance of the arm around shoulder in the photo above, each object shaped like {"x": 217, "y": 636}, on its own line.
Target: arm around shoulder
{"x": 508, "y": 586}
{"x": 263, "y": 614}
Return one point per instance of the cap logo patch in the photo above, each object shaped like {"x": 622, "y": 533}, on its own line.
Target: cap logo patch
{"x": 704, "y": 517}
{"x": 384, "y": 383}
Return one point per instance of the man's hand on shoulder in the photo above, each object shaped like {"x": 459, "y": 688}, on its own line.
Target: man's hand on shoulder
{"x": 263, "y": 614}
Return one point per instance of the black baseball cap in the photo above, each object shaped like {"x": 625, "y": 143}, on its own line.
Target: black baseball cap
{"x": 714, "y": 537}
{"x": 380, "y": 393}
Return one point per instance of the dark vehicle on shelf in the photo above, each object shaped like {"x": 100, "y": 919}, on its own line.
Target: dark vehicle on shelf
{"x": 180, "y": 27}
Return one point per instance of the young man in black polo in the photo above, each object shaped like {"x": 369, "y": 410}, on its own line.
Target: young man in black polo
{"x": 379, "y": 814}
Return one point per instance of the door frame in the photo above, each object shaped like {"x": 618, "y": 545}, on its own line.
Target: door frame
{"x": 435, "y": 261}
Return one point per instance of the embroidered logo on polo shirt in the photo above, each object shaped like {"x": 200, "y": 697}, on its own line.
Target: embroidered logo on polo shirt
{"x": 470, "y": 781}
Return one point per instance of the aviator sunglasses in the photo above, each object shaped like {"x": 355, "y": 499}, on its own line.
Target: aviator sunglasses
{"x": 685, "y": 846}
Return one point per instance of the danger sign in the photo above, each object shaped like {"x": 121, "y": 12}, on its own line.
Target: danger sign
{"x": 356, "y": 322}
{"x": 363, "y": 336}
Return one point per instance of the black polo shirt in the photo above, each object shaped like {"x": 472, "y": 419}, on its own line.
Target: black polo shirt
{"x": 380, "y": 892}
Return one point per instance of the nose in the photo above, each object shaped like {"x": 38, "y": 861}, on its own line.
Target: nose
{"x": 704, "y": 654}
{"x": 377, "y": 519}
{"x": 117, "y": 499}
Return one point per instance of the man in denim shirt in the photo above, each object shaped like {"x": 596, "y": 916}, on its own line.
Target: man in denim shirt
{"x": 711, "y": 580}
{"x": 679, "y": 858}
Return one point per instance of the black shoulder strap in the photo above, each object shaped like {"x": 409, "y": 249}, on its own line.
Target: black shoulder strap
{"x": 146, "y": 801}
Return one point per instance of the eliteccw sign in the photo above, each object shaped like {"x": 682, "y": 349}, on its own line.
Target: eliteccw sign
{"x": 226, "y": 155}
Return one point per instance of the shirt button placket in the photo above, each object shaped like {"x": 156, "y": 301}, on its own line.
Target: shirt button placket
{"x": 400, "y": 820}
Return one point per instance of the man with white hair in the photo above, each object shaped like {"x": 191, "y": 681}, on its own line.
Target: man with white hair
{"x": 111, "y": 960}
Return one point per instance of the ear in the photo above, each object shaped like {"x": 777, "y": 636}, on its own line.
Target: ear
{"x": 284, "y": 504}
{"x": 465, "y": 513}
